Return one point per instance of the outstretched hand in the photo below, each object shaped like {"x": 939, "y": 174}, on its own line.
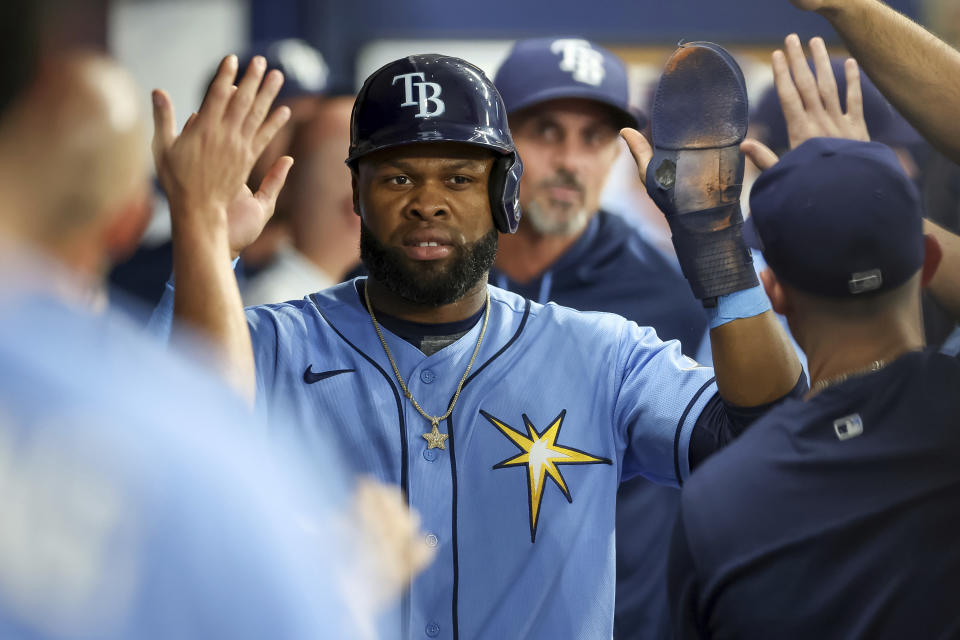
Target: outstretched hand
{"x": 811, "y": 102}
{"x": 204, "y": 170}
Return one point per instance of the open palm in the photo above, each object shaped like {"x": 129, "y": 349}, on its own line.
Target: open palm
{"x": 249, "y": 212}
{"x": 204, "y": 169}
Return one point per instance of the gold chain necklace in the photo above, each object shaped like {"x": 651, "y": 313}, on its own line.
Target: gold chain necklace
{"x": 876, "y": 365}
{"x": 435, "y": 439}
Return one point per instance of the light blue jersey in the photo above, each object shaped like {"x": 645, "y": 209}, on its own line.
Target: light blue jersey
{"x": 137, "y": 501}
{"x": 560, "y": 407}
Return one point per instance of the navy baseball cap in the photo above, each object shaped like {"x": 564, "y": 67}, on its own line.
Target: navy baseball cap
{"x": 839, "y": 218}
{"x": 305, "y": 72}
{"x": 542, "y": 69}
{"x": 883, "y": 122}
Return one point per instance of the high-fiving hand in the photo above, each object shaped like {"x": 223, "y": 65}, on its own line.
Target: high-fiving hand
{"x": 811, "y": 103}
{"x": 204, "y": 170}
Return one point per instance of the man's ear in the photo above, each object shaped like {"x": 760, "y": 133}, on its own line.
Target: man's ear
{"x": 356, "y": 192}
{"x": 774, "y": 290}
{"x": 931, "y": 259}
{"x": 122, "y": 232}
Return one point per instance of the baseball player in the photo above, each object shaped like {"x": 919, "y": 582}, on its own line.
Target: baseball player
{"x": 849, "y": 479}
{"x": 508, "y": 424}
{"x": 849, "y": 496}
{"x": 566, "y": 100}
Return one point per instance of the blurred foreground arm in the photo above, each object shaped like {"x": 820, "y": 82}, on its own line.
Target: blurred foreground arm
{"x": 214, "y": 215}
{"x": 917, "y": 72}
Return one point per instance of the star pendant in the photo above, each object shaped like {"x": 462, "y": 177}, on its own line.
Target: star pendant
{"x": 435, "y": 439}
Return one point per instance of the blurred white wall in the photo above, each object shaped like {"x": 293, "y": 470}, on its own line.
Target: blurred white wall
{"x": 176, "y": 44}
{"x": 486, "y": 54}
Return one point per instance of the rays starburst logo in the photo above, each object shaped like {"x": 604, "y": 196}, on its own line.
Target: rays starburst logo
{"x": 541, "y": 455}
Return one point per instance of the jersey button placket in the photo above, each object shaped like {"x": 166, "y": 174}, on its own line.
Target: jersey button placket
{"x": 431, "y": 495}
{"x": 427, "y": 376}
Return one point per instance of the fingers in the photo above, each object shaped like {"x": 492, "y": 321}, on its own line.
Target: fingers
{"x": 855, "y": 99}
{"x": 261, "y": 104}
{"x": 760, "y": 154}
{"x": 239, "y": 105}
{"x": 826, "y": 81}
{"x": 802, "y": 76}
{"x": 640, "y": 149}
{"x": 269, "y": 129}
{"x": 164, "y": 122}
{"x": 220, "y": 90}
{"x": 273, "y": 182}
{"x": 790, "y": 101}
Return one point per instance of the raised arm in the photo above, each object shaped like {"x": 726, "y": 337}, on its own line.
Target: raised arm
{"x": 214, "y": 215}
{"x": 809, "y": 114}
{"x": 692, "y": 181}
{"x": 917, "y": 72}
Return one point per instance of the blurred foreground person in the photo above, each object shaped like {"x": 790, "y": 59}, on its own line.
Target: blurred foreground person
{"x": 134, "y": 506}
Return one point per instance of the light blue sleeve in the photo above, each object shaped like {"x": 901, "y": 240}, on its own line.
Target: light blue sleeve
{"x": 661, "y": 394}
{"x": 265, "y": 336}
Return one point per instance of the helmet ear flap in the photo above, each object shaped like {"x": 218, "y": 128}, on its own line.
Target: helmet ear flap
{"x": 505, "y": 192}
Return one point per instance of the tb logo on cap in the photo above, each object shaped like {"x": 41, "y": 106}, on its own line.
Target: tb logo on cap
{"x": 428, "y": 95}
{"x": 580, "y": 59}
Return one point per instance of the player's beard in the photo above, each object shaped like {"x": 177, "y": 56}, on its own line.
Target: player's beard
{"x": 429, "y": 283}
{"x": 548, "y": 222}
{"x": 553, "y": 218}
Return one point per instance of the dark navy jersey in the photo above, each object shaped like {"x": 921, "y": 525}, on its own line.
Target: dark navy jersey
{"x": 838, "y": 517}
{"x": 612, "y": 268}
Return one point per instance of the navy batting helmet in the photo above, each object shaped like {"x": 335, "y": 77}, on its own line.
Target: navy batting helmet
{"x": 437, "y": 98}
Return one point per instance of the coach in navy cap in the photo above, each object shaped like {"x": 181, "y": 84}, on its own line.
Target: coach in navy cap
{"x": 567, "y": 98}
{"x": 835, "y": 517}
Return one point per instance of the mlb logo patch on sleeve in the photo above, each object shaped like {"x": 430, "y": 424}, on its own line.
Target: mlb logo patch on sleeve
{"x": 848, "y": 427}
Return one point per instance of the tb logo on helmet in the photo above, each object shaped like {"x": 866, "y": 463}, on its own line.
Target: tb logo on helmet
{"x": 424, "y": 99}
{"x": 581, "y": 60}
